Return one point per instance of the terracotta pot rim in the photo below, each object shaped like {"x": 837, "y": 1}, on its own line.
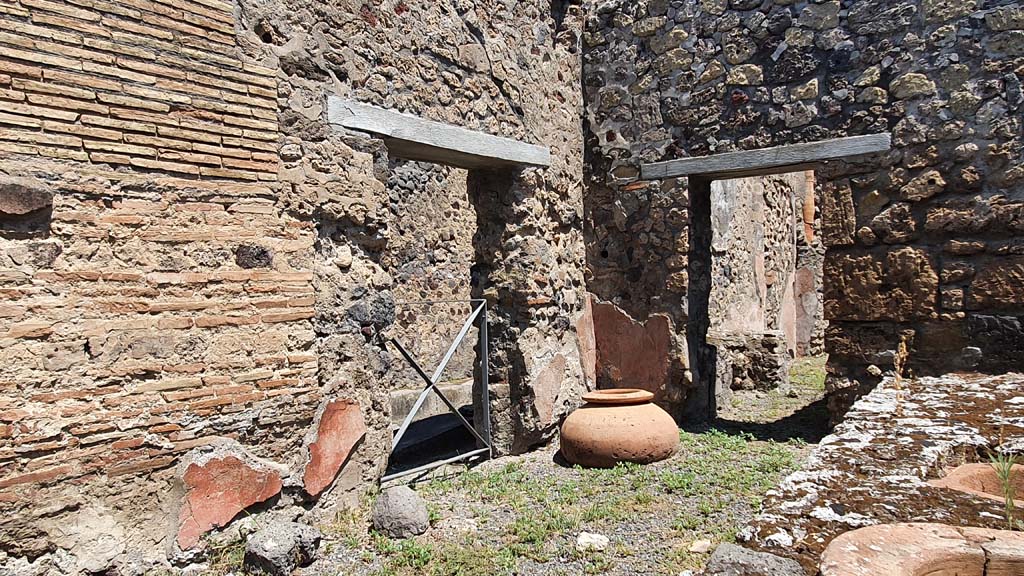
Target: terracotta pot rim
{"x": 618, "y": 396}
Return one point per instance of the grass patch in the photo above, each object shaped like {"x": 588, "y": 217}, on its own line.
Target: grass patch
{"x": 528, "y": 512}
{"x": 227, "y": 558}
{"x": 808, "y": 372}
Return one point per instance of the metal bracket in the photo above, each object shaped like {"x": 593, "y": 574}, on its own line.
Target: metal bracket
{"x": 479, "y": 317}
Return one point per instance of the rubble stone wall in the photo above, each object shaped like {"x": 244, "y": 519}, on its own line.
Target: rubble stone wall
{"x": 198, "y": 275}
{"x": 924, "y": 238}
{"x": 515, "y": 239}
{"x": 431, "y": 253}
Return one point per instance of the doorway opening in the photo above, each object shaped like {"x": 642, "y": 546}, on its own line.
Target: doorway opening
{"x": 431, "y": 255}
{"x": 760, "y": 337}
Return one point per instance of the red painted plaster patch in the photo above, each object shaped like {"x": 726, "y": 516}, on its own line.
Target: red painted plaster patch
{"x": 340, "y": 429}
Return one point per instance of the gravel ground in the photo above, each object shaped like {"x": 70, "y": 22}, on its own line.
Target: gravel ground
{"x": 522, "y": 515}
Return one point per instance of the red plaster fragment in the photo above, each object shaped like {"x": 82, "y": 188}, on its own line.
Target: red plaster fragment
{"x": 341, "y": 428}
{"x": 215, "y": 492}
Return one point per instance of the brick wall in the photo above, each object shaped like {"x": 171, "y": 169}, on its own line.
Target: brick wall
{"x": 150, "y": 85}
{"x": 191, "y": 287}
{"x": 166, "y": 303}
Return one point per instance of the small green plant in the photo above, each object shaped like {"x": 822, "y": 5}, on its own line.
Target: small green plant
{"x": 1003, "y": 466}
{"x": 226, "y": 558}
{"x": 402, "y": 554}
{"x": 676, "y": 481}
{"x": 433, "y": 513}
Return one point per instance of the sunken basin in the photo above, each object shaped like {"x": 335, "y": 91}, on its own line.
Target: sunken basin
{"x": 922, "y": 549}
{"x": 981, "y": 480}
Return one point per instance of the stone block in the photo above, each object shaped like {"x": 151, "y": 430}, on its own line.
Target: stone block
{"x": 924, "y": 186}
{"x": 399, "y": 512}
{"x": 896, "y": 224}
{"x": 21, "y": 196}
{"x": 838, "y": 219}
{"x": 943, "y": 10}
{"x": 896, "y": 285}
{"x": 912, "y": 85}
{"x": 460, "y": 394}
{"x": 253, "y": 256}
{"x": 998, "y": 286}
{"x": 281, "y": 547}
{"x": 732, "y": 560}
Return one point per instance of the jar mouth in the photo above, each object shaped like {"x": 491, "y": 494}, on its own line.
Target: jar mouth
{"x": 618, "y": 396}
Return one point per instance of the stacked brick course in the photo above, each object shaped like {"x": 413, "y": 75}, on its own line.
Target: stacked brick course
{"x": 132, "y": 329}
{"x": 146, "y": 84}
{"x": 195, "y": 267}
{"x": 196, "y": 270}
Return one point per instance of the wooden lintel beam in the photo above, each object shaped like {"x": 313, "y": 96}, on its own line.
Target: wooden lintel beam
{"x": 414, "y": 138}
{"x": 789, "y": 158}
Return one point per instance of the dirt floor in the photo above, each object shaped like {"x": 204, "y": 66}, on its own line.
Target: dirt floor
{"x": 802, "y": 413}
{"x": 522, "y": 515}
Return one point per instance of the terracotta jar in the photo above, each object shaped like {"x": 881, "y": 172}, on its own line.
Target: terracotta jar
{"x": 618, "y": 425}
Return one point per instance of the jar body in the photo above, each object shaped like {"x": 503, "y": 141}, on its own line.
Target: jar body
{"x": 600, "y": 435}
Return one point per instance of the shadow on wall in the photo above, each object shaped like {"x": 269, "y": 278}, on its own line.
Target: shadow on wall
{"x": 26, "y": 206}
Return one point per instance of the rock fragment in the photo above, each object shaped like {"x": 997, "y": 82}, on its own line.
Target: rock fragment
{"x": 732, "y": 560}
{"x": 587, "y": 541}
{"x": 399, "y": 512}
{"x": 281, "y": 547}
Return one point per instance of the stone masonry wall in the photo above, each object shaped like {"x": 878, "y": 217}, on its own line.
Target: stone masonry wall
{"x": 510, "y": 70}
{"x": 197, "y": 274}
{"x": 925, "y": 238}
{"x": 431, "y": 253}
{"x": 752, "y": 308}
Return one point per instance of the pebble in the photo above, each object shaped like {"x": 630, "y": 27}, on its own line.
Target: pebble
{"x": 700, "y": 546}
{"x": 587, "y": 541}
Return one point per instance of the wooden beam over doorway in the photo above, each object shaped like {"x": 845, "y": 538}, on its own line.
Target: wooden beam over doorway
{"x": 789, "y": 158}
{"x": 414, "y": 138}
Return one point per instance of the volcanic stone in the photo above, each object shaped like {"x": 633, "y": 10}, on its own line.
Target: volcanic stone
{"x": 281, "y": 547}
{"x": 912, "y": 85}
{"x": 253, "y": 256}
{"x": 732, "y": 560}
{"x": 399, "y": 512}
{"x": 20, "y": 196}
{"x": 745, "y": 75}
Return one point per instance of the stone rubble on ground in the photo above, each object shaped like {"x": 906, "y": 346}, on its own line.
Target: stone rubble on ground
{"x": 590, "y": 542}
{"x": 281, "y": 547}
{"x": 399, "y": 512}
{"x": 732, "y": 560}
